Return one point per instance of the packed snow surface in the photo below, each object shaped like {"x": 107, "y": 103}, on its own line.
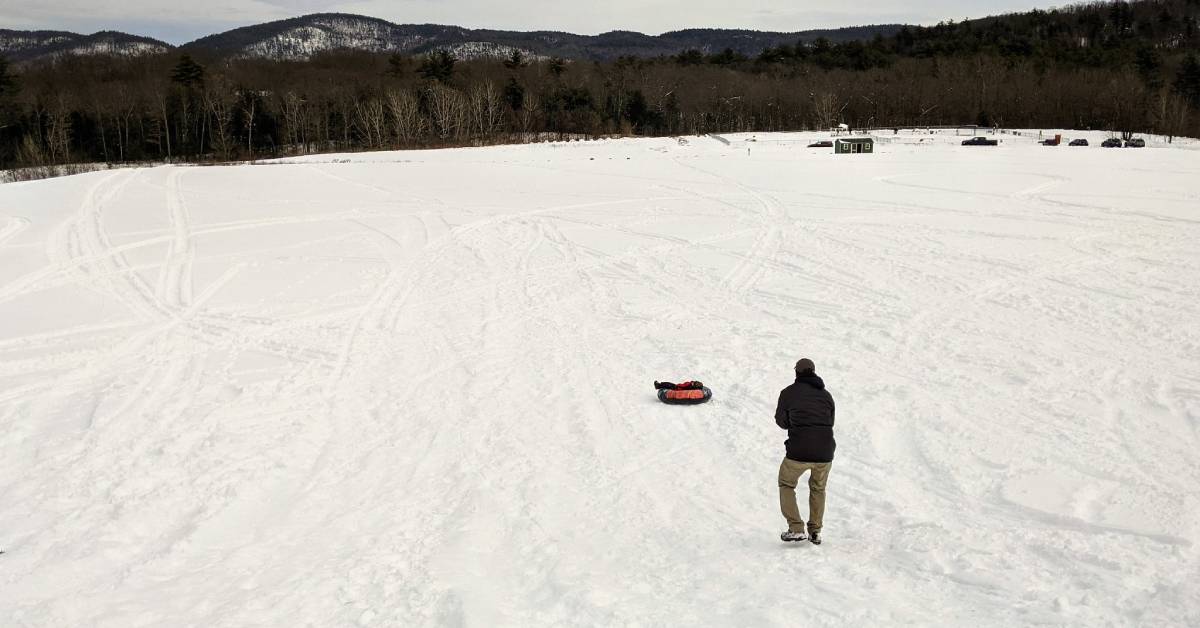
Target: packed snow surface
{"x": 414, "y": 388}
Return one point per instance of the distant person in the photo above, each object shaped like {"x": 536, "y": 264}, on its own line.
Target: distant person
{"x": 805, "y": 410}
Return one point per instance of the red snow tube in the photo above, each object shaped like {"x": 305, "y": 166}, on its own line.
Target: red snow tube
{"x": 687, "y": 393}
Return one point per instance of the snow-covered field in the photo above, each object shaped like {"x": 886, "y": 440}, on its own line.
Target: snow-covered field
{"x": 409, "y": 389}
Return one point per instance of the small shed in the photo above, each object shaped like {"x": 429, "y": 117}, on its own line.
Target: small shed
{"x": 853, "y": 145}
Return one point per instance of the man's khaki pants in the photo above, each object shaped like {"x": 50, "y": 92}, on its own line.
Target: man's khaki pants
{"x": 789, "y": 475}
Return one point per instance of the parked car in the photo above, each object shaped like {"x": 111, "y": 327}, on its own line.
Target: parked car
{"x": 1079, "y": 142}
{"x": 1112, "y": 142}
{"x": 821, "y": 144}
{"x": 980, "y": 141}
{"x": 1136, "y": 142}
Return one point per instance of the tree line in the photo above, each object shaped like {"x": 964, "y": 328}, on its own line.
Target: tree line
{"x": 1129, "y": 67}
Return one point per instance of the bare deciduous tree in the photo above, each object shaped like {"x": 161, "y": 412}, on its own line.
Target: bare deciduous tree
{"x": 58, "y": 131}
{"x": 827, "y": 109}
{"x": 405, "y": 115}
{"x": 369, "y": 119}
{"x": 294, "y": 121}
{"x": 446, "y": 111}
{"x": 220, "y": 106}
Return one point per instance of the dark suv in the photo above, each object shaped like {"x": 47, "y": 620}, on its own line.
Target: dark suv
{"x": 1079, "y": 142}
{"x": 1136, "y": 142}
{"x": 1112, "y": 142}
{"x": 980, "y": 141}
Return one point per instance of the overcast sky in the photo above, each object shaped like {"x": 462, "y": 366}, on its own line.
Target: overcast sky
{"x": 178, "y": 21}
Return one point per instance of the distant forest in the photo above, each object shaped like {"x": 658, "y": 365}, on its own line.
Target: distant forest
{"x": 1129, "y": 67}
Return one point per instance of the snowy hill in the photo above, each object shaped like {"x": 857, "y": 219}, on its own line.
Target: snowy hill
{"x": 301, "y": 37}
{"x": 28, "y": 45}
{"x": 414, "y": 388}
{"x": 487, "y": 50}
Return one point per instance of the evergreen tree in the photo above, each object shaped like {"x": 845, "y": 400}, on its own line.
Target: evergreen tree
{"x": 515, "y": 60}
{"x": 772, "y": 55}
{"x": 637, "y": 110}
{"x": 1149, "y": 67}
{"x": 8, "y": 86}
{"x": 188, "y": 73}
{"x": 438, "y": 66}
{"x": 397, "y": 66}
{"x": 689, "y": 57}
{"x": 7, "y": 81}
{"x": 905, "y": 39}
{"x": 1121, "y": 16}
{"x": 514, "y": 95}
{"x": 726, "y": 57}
{"x": 1187, "y": 80}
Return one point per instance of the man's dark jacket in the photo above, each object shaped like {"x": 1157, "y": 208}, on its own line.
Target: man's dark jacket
{"x": 805, "y": 410}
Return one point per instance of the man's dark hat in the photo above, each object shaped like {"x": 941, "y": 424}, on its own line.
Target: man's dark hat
{"x": 805, "y": 365}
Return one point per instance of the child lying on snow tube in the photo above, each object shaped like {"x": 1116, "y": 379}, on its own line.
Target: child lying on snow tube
{"x": 687, "y": 393}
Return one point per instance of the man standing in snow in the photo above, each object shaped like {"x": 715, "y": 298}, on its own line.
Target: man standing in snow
{"x": 805, "y": 410}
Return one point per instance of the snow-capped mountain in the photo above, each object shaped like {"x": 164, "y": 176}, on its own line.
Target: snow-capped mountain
{"x": 30, "y": 45}
{"x": 301, "y": 37}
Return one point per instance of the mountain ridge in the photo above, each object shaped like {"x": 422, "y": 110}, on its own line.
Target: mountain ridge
{"x": 18, "y": 45}
{"x": 299, "y": 38}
